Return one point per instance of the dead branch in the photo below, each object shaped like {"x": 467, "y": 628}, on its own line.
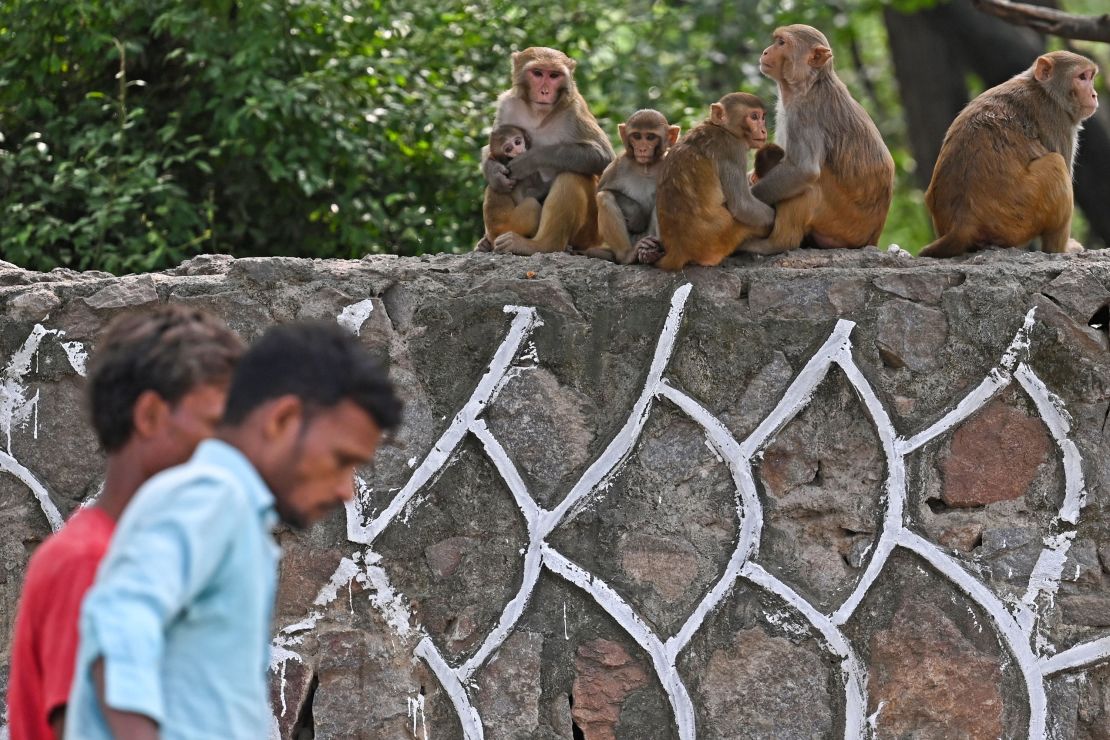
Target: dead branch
{"x": 1049, "y": 20}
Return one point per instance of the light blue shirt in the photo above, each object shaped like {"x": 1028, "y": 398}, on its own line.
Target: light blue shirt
{"x": 181, "y": 607}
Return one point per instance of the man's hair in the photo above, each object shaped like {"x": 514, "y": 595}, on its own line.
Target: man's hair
{"x": 169, "y": 350}
{"x": 320, "y": 363}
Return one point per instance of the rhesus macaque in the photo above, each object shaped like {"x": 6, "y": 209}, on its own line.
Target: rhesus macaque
{"x": 704, "y": 203}
{"x": 835, "y": 185}
{"x": 519, "y": 208}
{"x": 626, "y": 191}
{"x": 1003, "y": 175}
{"x": 569, "y": 150}
{"x": 766, "y": 158}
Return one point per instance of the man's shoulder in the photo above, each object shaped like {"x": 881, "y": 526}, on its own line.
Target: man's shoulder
{"x": 82, "y": 542}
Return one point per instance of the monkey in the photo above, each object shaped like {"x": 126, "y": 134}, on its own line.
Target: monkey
{"x": 768, "y": 156}
{"x": 626, "y": 191}
{"x": 835, "y": 185}
{"x": 503, "y": 212}
{"x": 569, "y": 150}
{"x": 1004, "y": 172}
{"x": 705, "y": 206}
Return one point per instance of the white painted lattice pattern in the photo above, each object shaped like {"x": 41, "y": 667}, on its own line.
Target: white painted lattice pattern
{"x": 1016, "y": 621}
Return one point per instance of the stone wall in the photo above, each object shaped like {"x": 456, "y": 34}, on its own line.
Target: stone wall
{"x": 829, "y": 494}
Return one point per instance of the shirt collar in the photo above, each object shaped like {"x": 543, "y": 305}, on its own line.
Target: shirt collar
{"x": 220, "y": 453}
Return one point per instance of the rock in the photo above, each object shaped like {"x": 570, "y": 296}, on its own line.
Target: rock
{"x": 911, "y": 335}
{"x": 444, "y": 557}
{"x": 604, "y": 675}
{"x": 668, "y": 565}
{"x": 994, "y": 456}
{"x": 928, "y": 681}
{"x": 509, "y": 688}
{"x": 129, "y": 292}
{"x": 766, "y": 687}
{"x": 33, "y": 305}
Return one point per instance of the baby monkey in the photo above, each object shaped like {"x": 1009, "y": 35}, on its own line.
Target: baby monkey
{"x": 768, "y": 156}
{"x": 519, "y": 210}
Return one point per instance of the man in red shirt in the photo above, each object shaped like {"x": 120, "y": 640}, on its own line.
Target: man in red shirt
{"x": 156, "y": 388}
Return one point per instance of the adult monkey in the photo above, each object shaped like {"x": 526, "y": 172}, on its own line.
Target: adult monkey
{"x": 703, "y": 199}
{"x": 626, "y": 191}
{"x": 569, "y": 150}
{"x": 1004, "y": 171}
{"x": 835, "y": 186}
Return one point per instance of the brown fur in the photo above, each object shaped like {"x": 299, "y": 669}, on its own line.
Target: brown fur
{"x": 1004, "y": 173}
{"x": 836, "y": 183}
{"x": 766, "y": 158}
{"x": 626, "y": 191}
{"x": 569, "y": 150}
{"x": 703, "y": 198}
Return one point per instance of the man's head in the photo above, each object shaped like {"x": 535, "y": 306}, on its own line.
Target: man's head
{"x": 157, "y": 383}
{"x": 307, "y": 406}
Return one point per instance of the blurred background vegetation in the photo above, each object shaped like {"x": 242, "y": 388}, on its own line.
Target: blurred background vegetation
{"x": 136, "y": 133}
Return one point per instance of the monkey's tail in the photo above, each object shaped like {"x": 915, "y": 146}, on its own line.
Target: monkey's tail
{"x": 948, "y": 245}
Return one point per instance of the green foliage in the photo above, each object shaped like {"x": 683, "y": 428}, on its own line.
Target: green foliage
{"x": 134, "y": 134}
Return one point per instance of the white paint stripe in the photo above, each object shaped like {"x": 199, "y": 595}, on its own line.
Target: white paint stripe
{"x": 1051, "y": 410}
{"x": 78, "y": 356}
{"x": 9, "y": 464}
{"x": 514, "y": 610}
{"x": 1080, "y": 656}
{"x": 1019, "y": 348}
{"x": 500, "y": 459}
{"x": 525, "y": 321}
{"x": 1015, "y": 638}
{"x": 800, "y": 391}
{"x": 995, "y": 381}
{"x": 853, "y": 673}
{"x": 621, "y": 446}
{"x": 615, "y": 606}
{"x": 469, "y": 719}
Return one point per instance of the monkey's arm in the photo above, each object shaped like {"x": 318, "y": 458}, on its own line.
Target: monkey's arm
{"x": 739, "y": 200}
{"x": 793, "y": 175}
{"x": 585, "y": 158}
{"x": 496, "y": 174}
{"x": 653, "y": 224}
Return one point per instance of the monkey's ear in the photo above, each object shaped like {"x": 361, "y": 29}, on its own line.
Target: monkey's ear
{"x": 622, "y": 131}
{"x": 672, "y": 133}
{"x": 571, "y": 65}
{"x": 717, "y": 113}
{"x": 819, "y": 56}
{"x": 1042, "y": 68}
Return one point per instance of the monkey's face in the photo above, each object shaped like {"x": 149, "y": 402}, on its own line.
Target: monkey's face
{"x": 774, "y": 58}
{"x": 754, "y": 126}
{"x": 545, "y": 84}
{"x": 1083, "y": 88}
{"x": 645, "y": 146}
{"x": 514, "y": 146}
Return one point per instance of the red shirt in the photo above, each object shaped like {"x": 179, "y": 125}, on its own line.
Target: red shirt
{"x": 44, "y": 645}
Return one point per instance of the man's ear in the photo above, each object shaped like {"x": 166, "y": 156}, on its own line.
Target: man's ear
{"x": 282, "y": 418}
{"x": 149, "y": 414}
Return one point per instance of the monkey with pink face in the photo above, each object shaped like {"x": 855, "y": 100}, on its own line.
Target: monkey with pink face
{"x": 569, "y": 150}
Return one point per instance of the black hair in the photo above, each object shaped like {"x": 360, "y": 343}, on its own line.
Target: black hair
{"x": 169, "y": 350}
{"x": 320, "y": 363}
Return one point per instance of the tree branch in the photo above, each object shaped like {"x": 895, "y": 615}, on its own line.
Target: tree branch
{"x": 1049, "y": 20}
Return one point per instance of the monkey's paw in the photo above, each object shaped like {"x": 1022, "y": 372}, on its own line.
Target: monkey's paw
{"x": 649, "y": 250}
{"x": 1074, "y": 247}
{"x": 484, "y": 244}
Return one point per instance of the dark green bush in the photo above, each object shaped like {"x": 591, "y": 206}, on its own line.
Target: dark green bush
{"x": 134, "y": 134}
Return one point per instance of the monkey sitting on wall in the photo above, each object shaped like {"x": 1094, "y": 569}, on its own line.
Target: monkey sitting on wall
{"x": 1004, "y": 172}
{"x": 519, "y": 209}
{"x": 569, "y": 150}
{"x": 836, "y": 183}
{"x": 626, "y": 191}
{"x": 703, "y": 199}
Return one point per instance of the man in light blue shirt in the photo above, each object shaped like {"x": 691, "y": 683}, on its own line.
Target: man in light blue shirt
{"x": 175, "y": 631}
